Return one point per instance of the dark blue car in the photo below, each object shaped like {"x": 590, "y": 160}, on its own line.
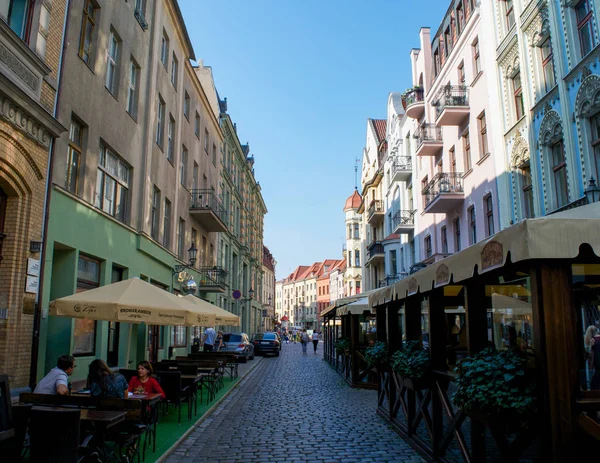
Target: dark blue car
{"x": 267, "y": 343}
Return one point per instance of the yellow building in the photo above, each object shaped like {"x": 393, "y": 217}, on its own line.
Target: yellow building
{"x": 31, "y": 39}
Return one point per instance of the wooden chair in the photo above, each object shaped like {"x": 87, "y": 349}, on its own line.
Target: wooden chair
{"x": 15, "y": 448}
{"x": 170, "y": 382}
{"x": 54, "y": 437}
{"x": 126, "y": 436}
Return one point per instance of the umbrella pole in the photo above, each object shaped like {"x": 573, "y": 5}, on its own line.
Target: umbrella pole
{"x": 128, "y": 346}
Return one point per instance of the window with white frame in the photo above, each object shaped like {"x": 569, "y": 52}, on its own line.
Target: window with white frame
{"x": 174, "y": 70}
{"x": 444, "y": 240}
{"x": 457, "y": 243}
{"x": 472, "y": 225}
{"x": 43, "y": 29}
{"x": 112, "y": 61}
{"x": 74, "y": 156}
{"x": 180, "y": 238}
{"x": 595, "y": 126}
{"x": 509, "y": 13}
{"x": 186, "y": 106}
{"x": 559, "y": 173}
{"x": 88, "y": 24}
{"x": 197, "y": 125}
{"x": 171, "y": 139}
{"x": 357, "y": 258}
{"x": 132, "y": 88}
{"x": 466, "y": 141}
{"x": 547, "y": 60}
{"x": 483, "y": 138}
{"x": 167, "y": 224}
{"x": 489, "y": 214}
{"x": 160, "y": 122}
{"x": 164, "y": 50}
{"x": 476, "y": 57}
{"x": 427, "y": 246}
{"x": 461, "y": 72}
{"x": 183, "y": 166}
{"x": 155, "y": 213}
{"x": 585, "y": 26}
{"x": 112, "y": 184}
{"x": 518, "y": 96}
{"x": 524, "y": 170}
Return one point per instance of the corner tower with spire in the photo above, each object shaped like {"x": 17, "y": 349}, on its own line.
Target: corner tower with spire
{"x": 353, "y": 273}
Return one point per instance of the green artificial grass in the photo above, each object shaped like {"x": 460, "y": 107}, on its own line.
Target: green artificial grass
{"x": 168, "y": 431}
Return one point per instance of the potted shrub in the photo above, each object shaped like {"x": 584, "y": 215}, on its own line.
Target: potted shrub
{"x": 377, "y": 355}
{"x": 497, "y": 387}
{"x": 413, "y": 365}
{"x": 342, "y": 346}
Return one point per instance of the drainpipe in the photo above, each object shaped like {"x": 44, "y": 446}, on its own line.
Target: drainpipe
{"x": 35, "y": 345}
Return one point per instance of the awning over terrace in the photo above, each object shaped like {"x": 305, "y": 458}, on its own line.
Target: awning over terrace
{"x": 339, "y": 305}
{"x": 557, "y": 236}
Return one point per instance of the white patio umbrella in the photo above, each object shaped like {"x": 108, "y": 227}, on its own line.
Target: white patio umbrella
{"x": 132, "y": 301}
{"x": 222, "y": 316}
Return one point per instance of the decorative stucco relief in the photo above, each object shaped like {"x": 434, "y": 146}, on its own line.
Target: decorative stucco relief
{"x": 551, "y": 131}
{"x": 587, "y": 103}
{"x": 519, "y": 155}
{"x": 12, "y": 62}
{"x": 24, "y": 122}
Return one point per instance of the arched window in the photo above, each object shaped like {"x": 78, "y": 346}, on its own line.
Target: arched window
{"x": 521, "y": 176}
{"x": 553, "y": 156}
{"x": 587, "y": 110}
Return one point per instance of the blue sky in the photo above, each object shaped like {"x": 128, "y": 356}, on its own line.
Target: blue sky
{"x": 301, "y": 78}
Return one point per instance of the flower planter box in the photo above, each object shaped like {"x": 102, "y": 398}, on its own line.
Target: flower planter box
{"x": 415, "y": 385}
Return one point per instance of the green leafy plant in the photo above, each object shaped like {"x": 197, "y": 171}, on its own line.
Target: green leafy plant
{"x": 496, "y": 382}
{"x": 342, "y": 344}
{"x": 412, "y": 361}
{"x": 377, "y": 354}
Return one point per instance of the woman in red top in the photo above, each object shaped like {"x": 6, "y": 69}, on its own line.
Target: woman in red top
{"x": 143, "y": 383}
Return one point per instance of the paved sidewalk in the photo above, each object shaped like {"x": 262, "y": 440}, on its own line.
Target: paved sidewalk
{"x": 294, "y": 408}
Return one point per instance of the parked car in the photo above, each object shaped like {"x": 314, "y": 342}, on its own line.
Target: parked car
{"x": 267, "y": 343}
{"x": 238, "y": 343}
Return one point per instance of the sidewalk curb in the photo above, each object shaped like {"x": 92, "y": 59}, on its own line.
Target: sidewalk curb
{"x": 177, "y": 443}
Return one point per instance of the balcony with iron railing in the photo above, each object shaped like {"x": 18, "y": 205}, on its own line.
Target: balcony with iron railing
{"x": 401, "y": 169}
{"x": 429, "y": 140}
{"x": 375, "y": 253}
{"x": 452, "y": 105}
{"x": 208, "y": 210}
{"x": 403, "y": 221}
{"x": 444, "y": 192}
{"x": 414, "y": 102}
{"x": 391, "y": 279}
{"x": 375, "y": 212}
{"x": 212, "y": 279}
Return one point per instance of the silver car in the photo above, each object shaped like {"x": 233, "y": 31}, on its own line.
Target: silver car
{"x": 238, "y": 343}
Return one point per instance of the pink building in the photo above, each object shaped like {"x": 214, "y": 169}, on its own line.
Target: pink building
{"x": 454, "y": 173}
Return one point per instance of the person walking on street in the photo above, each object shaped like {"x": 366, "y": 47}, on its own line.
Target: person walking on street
{"x": 304, "y": 340}
{"x": 315, "y": 340}
{"x": 208, "y": 340}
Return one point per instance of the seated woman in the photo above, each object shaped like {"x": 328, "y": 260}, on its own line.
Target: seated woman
{"x": 143, "y": 383}
{"x": 104, "y": 383}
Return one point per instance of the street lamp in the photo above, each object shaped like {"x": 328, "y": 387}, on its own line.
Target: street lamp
{"x": 592, "y": 192}
{"x": 189, "y": 286}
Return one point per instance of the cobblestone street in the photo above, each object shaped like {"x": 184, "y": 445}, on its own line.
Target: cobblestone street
{"x": 294, "y": 408}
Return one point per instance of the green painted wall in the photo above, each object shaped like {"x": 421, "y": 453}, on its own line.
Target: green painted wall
{"x": 76, "y": 228}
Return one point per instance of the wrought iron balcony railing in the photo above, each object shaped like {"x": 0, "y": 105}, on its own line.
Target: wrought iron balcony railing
{"x": 376, "y": 206}
{"x": 376, "y": 247}
{"x": 428, "y": 132}
{"x": 208, "y": 200}
{"x": 401, "y": 163}
{"x": 391, "y": 279}
{"x": 414, "y": 95}
{"x": 443, "y": 183}
{"x": 212, "y": 277}
{"x": 403, "y": 218}
{"x": 451, "y": 95}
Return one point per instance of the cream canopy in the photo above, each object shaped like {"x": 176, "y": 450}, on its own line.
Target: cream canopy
{"x": 556, "y": 236}
{"x": 222, "y": 317}
{"x": 132, "y": 301}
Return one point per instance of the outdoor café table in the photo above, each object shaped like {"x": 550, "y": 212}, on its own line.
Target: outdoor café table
{"x": 198, "y": 380}
{"x": 150, "y": 414}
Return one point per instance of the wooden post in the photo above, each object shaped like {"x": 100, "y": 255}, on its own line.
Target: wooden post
{"x": 555, "y": 318}
{"x": 476, "y": 325}
{"x": 412, "y": 317}
{"x": 437, "y": 349}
